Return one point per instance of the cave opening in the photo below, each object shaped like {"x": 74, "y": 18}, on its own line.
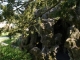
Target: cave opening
{"x": 61, "y": 27}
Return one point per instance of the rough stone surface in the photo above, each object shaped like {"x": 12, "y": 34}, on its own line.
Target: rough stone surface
{"x": 53, "y": 41}
{"x": 72, "y": 43}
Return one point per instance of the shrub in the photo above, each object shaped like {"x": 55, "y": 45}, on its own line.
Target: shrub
{"x": 9, "y": 53}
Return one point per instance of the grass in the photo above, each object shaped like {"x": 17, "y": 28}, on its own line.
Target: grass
{"x": 11, "y": 53}
{"x": 8, "y": 41}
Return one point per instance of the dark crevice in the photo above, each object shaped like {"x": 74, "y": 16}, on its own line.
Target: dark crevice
{"x": 62, "y": 56}
{"x": 39, "y": 44}
{"x": 38, "y": 41}
{"x": 62, "y": 27}
{"x": 28, "y": 38}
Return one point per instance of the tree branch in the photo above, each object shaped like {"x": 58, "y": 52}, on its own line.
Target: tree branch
{"x": 40, "y": 15}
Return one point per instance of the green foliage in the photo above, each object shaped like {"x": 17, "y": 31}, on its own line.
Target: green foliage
{"x": 7, "y": 11}
{"x": 8, "y": 41}
{"x": 9, "y": 53}
{"x": 11, "y": 1}
{"x": 28, "y": 19}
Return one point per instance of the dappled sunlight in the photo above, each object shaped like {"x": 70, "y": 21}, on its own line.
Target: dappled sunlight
{"x": 3, "y": 38}
{"x": 3, "y": 24}
{"x": 39, "y": 29}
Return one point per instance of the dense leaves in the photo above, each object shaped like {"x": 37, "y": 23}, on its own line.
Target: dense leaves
{"x": 10, "y": 53}
{"x": 35, "y": 9}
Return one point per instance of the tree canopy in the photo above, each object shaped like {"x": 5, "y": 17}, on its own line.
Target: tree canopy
{"x": 28, "y": 13}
